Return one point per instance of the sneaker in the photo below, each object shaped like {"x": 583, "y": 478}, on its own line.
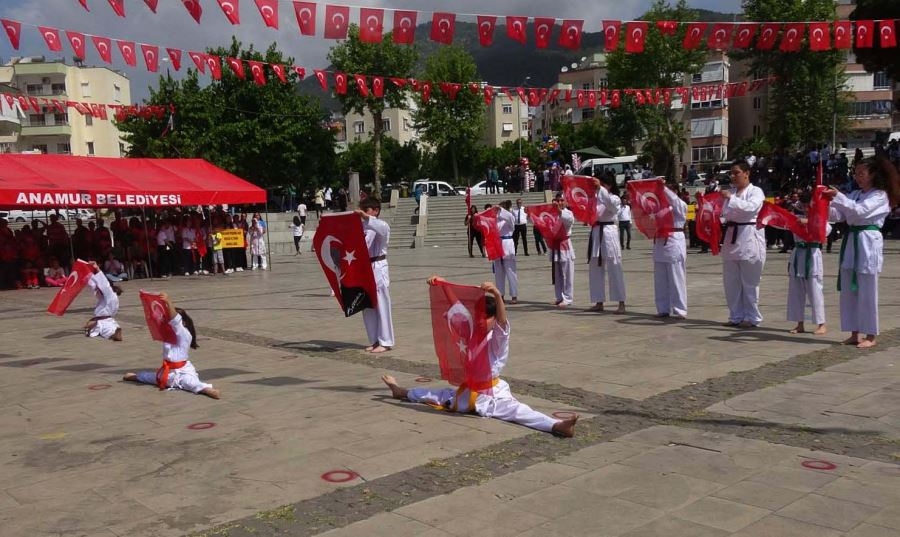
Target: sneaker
{"x": 165, "y": 277}
{"x": 205, "y": 272}
{"x": 239, "y": 269}
{"x": 252, "y": 268}
{"x": 228, "y": 271}
{"x": 188, "y": 273}
{"x": 195, "y": 273}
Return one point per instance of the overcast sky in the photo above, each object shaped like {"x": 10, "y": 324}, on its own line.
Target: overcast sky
{"x": 171, "y": 26}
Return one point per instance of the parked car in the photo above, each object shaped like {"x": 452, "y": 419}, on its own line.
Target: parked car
{"x": 480, "y": 188}
{"x": 436, "y": 188}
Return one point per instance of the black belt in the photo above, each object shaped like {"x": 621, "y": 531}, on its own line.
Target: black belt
{"x": 591, "y": 242}
{"x": 667, "y": 230}
{"x": 377, "y": 258}
{"x": 735, "y": 226}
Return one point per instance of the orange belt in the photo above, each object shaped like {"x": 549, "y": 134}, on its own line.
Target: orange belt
{"x": 473, "y": 394}
{"x": 162, "y": 374}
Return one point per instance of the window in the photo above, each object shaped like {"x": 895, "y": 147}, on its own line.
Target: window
{"x": 85, "y": 89}
{"x": 88, "y": 121}
{"x": 60, "y": 119}
{"x": 587, "y": 113}
{"x": 117, "y": 93}
{"x": 507, "y": 109}
{"x": 870, "y": 108}
{"x": 713, "y": 153}
{"x": 36, "y": 120}
{"x": 524, "y": 129}
{"x": 90, "y": 148}
{"x": 386, "y": 125}
{"x": 63, "y": 148}
{"x": 507, "y": 127}
{"x": 697, "y": 77}
{"x": 6, "y": 147}
{"x": 34, "y": 89}
{"x": 40, "y": 147}
{"x": 717, "y": 103}
{"x": 58, "y": 89}
{"x": 757, "y": 103}
{"x": 586, "y": 86}
{"x": 880, "y": 80}
{"x": 604, "y": 82}
{"x": 359, "y": 127}
{"x": 122, "y": 149}
{"x": 407, "y": 125}
{"x": 757, "y": 130}
{"x": 703, "y": 128}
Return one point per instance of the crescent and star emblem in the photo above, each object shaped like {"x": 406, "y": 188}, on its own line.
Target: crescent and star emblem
{"x": 337, "y": 19}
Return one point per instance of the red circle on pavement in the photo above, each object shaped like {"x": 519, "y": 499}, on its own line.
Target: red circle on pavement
{"x": 201, "y": 425}
{"x": 96, "y": 387}
{"x": 339, "y": 476}
{"x": 423, "y": 380}
{"x": 816, "y": 464}
{"x": 563, "y": 414}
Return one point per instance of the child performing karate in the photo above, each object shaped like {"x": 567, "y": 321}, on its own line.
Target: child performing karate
{"x": 500, "y": 403}
{"x": 176, "y": 372}
{"x": 103, "y": 323}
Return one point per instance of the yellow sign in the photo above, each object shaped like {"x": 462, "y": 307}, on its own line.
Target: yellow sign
{"x": 232, "y": 238}
{"x": 692, "y": 211}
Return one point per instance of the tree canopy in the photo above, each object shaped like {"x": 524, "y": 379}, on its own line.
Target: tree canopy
{"x": 877, "y": 58}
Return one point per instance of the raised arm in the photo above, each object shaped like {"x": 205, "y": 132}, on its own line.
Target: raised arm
{"x": 489, "y": 287}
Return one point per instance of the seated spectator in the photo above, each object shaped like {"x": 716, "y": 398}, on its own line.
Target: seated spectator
{"x": 55, "y": 275}
{"x": 29, "y": 277}
{"x": 114, "y": 269}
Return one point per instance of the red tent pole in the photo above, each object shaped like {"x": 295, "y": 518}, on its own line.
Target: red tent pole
{"x": 147, "y": 240}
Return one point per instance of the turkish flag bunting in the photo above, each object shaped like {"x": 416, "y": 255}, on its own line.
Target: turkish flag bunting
{"x": 843, "y": 35}
{"x": 520, "y": 91}
{"x": 488, "y": 95}
{"x": 570, "y": 34}
{"x": 301, "y": 72}
{"x": 215, "y": 66}
{"x": 151, "y": 57}
{"x": 743, "y": 34}
{"x": 486, "y": 222}
{"x": 543, "y": 31}
{"x": 236, "y": 66}
{"x": 474, "y": 87}
{"x": 819, "y": 36}
{"x": 667, "y": 27}
{"x": 592, "y": 99}
{"x": 340, "y": 83}
{"x": 118, "y": 6}
{"x": 888, "y": 31}
{"x": 268, "y": 9}
{"x": 793, "y": 36}
{"x": 84, "y": 5}
{"x": 817, "y": 215}
{"x": 306, "y": 17}
{"x": 709, "y": 225}
{"x": 459, "y": 327}
{"x": 450, "y": 89}
{"x": 378, "y": 86}
{"x": 533, "y": 97}
{"x": 694, "y": 35}
{"x": 720, "y": 36}
{"x": 553, "y": 96}
{"x": 486, "y": 25}
{"x": 635, "y": 35}
{"x": 336, "y": 19}
{"x": 611, "y": 31}
{"x": 651, "y": 210}
{"x": 257, "y": 69}
{"x": 13, "y": 31}
{"x": 340, "y": 246}
{"x": 199, "y": 60}
{"x": 516, "y": 29}
{"x": 152, "y": 4}
{"x": 232, "y": 10}
{"x": 404, "y": 27}
{"x": 443, "y": 25}
{"x": 193, "y": 7}
{"x": 156, "y": 313}
{"x": 279, "y": 71}
{"x": 78, "y": 278}
{"x": 51, "y": 36}
{"x": 361, "y": 85}
{"x": 768, "y": 33}
{"x": 128, "y": 52}
{"x": 399, "y": 82}
{"x": 581, "y": 196}
{"x": 546, "y": 220}
{"x": 426, "y": 91}
{"x": 580, "y": 97}
{"x": 865, "y": 34}
{"x": 104, "y": 47}
{"x": 23, "y": 102}
{"x": 77, "y": 41}
{"x": 371, "y": 25}
{"x": 774, "y": 216}
{"x": 175, "y": 56}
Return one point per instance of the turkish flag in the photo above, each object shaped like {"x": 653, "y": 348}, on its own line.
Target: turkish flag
{"x": 268, "y": 9}
{"x": 817, "y": 215}
{"x": 546, "y": 220}
{"x": 340, "y": 246}
{"x": 651, "y": 211}
{"x": 468, "y": 198}
{"x": 51, "y": 37}
{"x": 543, "y": 31}
{"x": 667, "y": 27}
{"x": 215, "y": 66}
{"x": 361, "y": 86}
{"x": 743, "y": 34}
{"x": 279, "y": 71}
{"x": 151, "y": 57}
{"x": 720, "y": 36}
{"x": 13, "y": 31}
{"x": 84, "y": 5}
{"x": 581, "y": 196}
{"x": 257, "y": 69}
{"x": 237, "y": 67}
{"x": 340, "y": 83}
{"x": 450, "y": 89}
{"x": 232, "y": 10}
{"x": 611, "y": 31}
{"x": 378, "y": 86}
{"x": 301, "y": 72}
{"x": 774, "y": 216}
{"x": 635, "y": 34}
{"x": 404, "y": 31}
{"x": 570, "y": 34}
{"x": 459, "y": 327}
{"x": 443, "y": 25}
{"x": 175, "y": 56}
{"x": 486, "y": 25}
{"x": 843, "y": 35}
{"x": 152, "y": 4}
{"x": 488, "y": 95}
{"x": 888, "y": 31}
{"x": 819, "y": 36}
{"x": 322, "y": 78}
{"x": 694, "y": 35}
{"x": 336, "y": 19}
{"x": 118, "y": 6}
{"x": 865, "y": 34}
{"x": 193, "y": 7}
{"x": 793, "y": 36}
{"x": 156, "y": 313}
{"x": 516, "y": 29}
{"x": 77, "y": 41}
{"x": 199, "y": 60}
{"x": 127, "y": 50}
{"x": 78, "y": 278}
{"x": 426, "y": 91}
{"x": 306, "y": 17}
{"x": 768, "y": 33}
{"x": 486, "y": 222}
{"x": 708, "y": 219}
{"x": 371, "y": 25}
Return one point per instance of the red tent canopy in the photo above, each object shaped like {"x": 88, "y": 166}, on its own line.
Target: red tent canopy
{"x": 57, "y": 181}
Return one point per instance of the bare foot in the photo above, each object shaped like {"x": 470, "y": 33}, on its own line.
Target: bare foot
{"x": 563, "y": 305}
{"x": 210, "y": 392}
{"x": 620, "y": 310}
{"x": 747, "y": 324}
{"x": 130, "y": 377}
{"x": 596, "y": 307}
{"x": 396, "y": 391}
{"x": 557, "y": 302}
{"x": 731, "y": 323}
{"x": 820, "y": 330}
{"x": 799, "y": 329}
{"x": 380, "y": 349}
{"x": 514, "y": 300}
{"x": 852, "y": 340}
{"x": 566, "y": 427}
{"x": 866, "y": 344}
{"x": 370, "y": 347}
{"x": 662, "y": 315}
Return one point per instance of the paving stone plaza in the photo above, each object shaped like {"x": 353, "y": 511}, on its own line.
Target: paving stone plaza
{"x": 687, "y": 428}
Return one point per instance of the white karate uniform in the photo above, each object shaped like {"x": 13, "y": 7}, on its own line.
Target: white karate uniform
{"x": 184, "y": 378}
{"x": 862, "y": 253}
{"x": 379, "y": 325}
{"x": 564, "y": 262}
{"x": 107, "y": 306}
{"x": 500, "y": 404}
{"x": 803, "y": 285}
{"x": 743, "y": 254}
{"x": 505, "y": 267}
{"x": 669, "y": 258}
{"x": 606, "y": 248}
{"x": 258, "y": 246}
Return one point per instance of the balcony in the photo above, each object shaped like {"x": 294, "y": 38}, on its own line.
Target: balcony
{"x": 36, "y": 127}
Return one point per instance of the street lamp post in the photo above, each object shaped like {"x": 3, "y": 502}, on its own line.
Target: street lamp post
{"x": 519, "y": 119}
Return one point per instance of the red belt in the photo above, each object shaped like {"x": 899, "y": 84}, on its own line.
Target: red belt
{"x": 162, "y": 374}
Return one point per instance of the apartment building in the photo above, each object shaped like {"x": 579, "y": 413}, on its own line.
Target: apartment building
{"x": 507, "y": 120}
{"x": 71, "y": 132}
{"x": 707, "y": 118}
{"x": 10, "y": 116}
{"x": 589, "y": 73}
{"x": 396, "y": 123}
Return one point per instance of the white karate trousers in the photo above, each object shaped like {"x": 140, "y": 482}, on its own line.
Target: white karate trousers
{"x": 565, "y": 280}
{"x": 670, "y": 288}
{"x": 859, "y": 310}
{"x": 184, "y": 378}
{"x": 801, "y": 289}
{"x": 597, "y": 281}
{"x": 741, "y": 280}
{"x": 378, "y": 321}
{"x": 505, "y": 270}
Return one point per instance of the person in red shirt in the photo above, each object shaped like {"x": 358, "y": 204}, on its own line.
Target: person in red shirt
{"x": 58, "y": 241}
{"x": 8, "y": 256}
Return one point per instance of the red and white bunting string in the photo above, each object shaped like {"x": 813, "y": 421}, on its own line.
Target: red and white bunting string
{"x": 818, "y": 35}
{"x": 41, "y": 105}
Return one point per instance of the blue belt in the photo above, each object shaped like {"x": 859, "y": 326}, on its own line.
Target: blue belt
{"x": 506, "y": 237}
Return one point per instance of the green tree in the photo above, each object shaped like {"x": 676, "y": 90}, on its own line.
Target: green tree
{"x": 663, "y": 64}
{"x": 877, "y": 58}
{"x": 384, "y": 59}
{"x": 398, "y": 161}
{"x": 266, "y": 134}
{"x": 451, "y": 124}
{"x": 594, "y": 132}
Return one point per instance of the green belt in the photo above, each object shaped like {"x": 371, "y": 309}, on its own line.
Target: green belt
{"x": 853, "y": 230}
{"x": 809, "y": 247}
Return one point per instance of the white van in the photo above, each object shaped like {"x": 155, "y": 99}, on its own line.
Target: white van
{"x": 894, "y": 136}
{"x": 598, "y": 166}
{"x": 435, "y": 188}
